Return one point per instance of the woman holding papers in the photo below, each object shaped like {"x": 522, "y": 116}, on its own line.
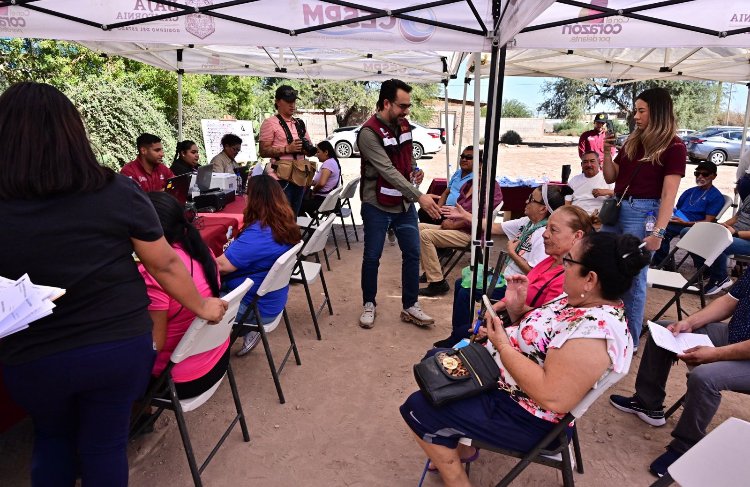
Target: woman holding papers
{"x": 646, "y": 173}
{"x": 549, "y": 358}
{"x": 74, "y": 224}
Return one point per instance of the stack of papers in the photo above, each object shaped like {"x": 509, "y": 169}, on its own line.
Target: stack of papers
{"x": 22, "y": 302}
{"x": 677, "y": 344}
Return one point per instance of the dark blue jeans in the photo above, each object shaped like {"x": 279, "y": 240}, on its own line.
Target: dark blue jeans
{"x": 294, "y": 194}
{"x": 671, "y": 232}
{"x": 463, "y": 318}
{"x": 376, "y": 222}
{"x": 80, "y": 402}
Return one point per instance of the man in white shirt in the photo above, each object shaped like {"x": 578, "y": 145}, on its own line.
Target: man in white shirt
{"x": 589, "y": 188}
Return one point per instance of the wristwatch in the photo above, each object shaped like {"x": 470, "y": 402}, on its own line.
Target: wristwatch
{"x": 659, "y": 232}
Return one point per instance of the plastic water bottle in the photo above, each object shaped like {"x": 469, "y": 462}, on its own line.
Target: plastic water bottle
{"x": 238, "y": 189}
{"x": 650, "y": 222}
{"x": 413, "y": 177}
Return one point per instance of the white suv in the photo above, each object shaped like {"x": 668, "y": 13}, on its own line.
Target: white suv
{"x": 426, "y": 141}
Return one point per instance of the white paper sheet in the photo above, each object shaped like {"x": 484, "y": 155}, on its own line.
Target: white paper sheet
{"x": 22, "y": 302}
{"x": 677, "y": 344}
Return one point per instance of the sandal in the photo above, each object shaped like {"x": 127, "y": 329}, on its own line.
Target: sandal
{"x": 432, "y": 469}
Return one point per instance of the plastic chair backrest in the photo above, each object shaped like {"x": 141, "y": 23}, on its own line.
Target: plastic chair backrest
{"x": 281, "y": 271}
{"x": 201, "y": 337}
{"x": 319, "y": 238}
{"x": 707, "y": 240}
{"x": 718, "y": 459}
{"x": 727, "y": 203}
{"x": 496, "y": 211}
{"x": 330, "y": 201}
{"x": 350, "y": 189}
{"x": 600, "y": 387}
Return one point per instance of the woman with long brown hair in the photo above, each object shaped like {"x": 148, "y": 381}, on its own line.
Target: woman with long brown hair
{"x": 270, "y": 229}
{"x": 74, "y": 224}
{"x": 647, "y": 174}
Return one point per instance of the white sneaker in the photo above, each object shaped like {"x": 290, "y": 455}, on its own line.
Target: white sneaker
{"x": 391, "y": 236}
{"x": 250, "y": 341}
{"x": 416, "y": 315}
{"x": 367, "y": 319}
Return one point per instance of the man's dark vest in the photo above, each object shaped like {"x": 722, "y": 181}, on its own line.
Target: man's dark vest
{"x": 399, "y": 150}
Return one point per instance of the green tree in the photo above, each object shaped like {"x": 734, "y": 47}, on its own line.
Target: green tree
{"x": 115, "y": 113}
{"x": 694, "y": 101}
{"x": 515, "y": 109}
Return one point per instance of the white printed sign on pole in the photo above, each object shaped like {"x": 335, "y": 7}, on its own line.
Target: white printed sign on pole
{"x": 214, "y": 130}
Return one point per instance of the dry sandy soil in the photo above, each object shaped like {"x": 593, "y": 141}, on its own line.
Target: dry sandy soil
{"x": 340, "y": 425}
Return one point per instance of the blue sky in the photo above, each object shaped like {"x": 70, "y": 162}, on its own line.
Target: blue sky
{"x": 528, "y": 91}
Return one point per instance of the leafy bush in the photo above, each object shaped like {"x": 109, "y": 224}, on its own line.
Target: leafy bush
{"x": 511, "y": 137}
{"x": 116, "y": 113}
{"x": 515, "y": 109}
{"x": 569, "y": 127}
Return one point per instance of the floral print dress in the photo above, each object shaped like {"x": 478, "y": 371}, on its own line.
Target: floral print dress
{"x": 550, "y": 327}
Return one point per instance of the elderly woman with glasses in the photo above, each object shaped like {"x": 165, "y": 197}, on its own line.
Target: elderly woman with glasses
{"x": 549, "y": 358}
{"x": 527, "y": 253}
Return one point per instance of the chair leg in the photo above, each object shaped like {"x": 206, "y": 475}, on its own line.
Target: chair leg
{"x": 356, "y": 235}
{"x": 663, "y": 482}
{"x": 335, "y": 244}
{"x": 182, "y": 426}
{"x": 269, "y": 355}
{"x": 346, "y": 233}
{"x": 455, "y": 261}
{"x": 291, "y": 337}
{"x": 674, "y": 407}
{"x": 237, "y": 403}
{"x": 567, "y": 466}
{"x": 577, "y": 450}
{"x": 325, "y": 292}
{"x": 310, "y": 301}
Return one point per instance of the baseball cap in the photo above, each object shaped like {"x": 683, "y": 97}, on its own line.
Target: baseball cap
{"x": 601, "y": 117}
{"x": 707, "y": 166}
{"x": 286, "y": 93}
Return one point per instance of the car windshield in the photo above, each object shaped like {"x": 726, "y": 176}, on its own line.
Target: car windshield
{"x": 707, "y": 132}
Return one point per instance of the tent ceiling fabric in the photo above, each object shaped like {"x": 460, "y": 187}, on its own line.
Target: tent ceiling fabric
{"x": 332, "y": 39}
{"x": 673, "y": 39}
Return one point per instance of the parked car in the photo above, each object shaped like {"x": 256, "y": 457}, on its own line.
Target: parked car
{"x": 345, "y": 129}
{"x": 682, "y": 133}
{"x": 442, "y": 133}
{"x": 620, "y": 140}
{"x": 426, "y": 141}
{"x": 717, "y": 144}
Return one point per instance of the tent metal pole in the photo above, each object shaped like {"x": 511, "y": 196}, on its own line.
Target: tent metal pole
{"x": 180, "y": 72}
{"x": 460, "y": 146}
{"x": 743, "y": 147}
{"x": 447, "y": 137}
{"x": 475, "y": 178}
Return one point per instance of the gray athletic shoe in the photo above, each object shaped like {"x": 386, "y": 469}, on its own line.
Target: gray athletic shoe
{"x": 367, "y": 318}
{"x": 417, "y": 316}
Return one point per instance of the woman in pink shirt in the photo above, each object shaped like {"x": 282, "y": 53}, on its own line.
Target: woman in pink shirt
{"x": 196, "y": 374}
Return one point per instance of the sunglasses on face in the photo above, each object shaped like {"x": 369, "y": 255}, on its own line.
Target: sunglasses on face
{"x": 467, "y": 157}
{"x": 702, "y": 173}
{"x": 531, "y": 199}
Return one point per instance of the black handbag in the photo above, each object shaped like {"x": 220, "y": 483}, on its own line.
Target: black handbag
{"x": 609, "y": 213}
{"x": 450, "y": 375}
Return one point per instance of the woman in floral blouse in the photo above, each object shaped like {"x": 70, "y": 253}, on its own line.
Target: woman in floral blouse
{"x": 549, "y": 358}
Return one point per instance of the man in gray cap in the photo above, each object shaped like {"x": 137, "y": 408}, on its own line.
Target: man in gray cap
{"x": 593, "y": 140}
{"x": 281, "y": 141}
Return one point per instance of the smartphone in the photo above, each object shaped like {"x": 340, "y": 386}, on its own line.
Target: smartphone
{"x": 611, "y": 128}
{"x": 488, "y": 306}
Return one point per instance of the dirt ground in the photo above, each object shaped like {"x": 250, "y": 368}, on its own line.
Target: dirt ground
{"x": 340, "y": 425}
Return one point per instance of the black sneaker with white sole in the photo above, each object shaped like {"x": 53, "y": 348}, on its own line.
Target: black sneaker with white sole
{"x": 715, "y": 287}
{"x": 654, "y": 417}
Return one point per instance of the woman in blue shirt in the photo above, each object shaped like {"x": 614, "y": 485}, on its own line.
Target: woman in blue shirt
{"x": 270, "y": 229}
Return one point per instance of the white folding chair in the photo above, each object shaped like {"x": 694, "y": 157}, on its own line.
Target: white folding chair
{"x": 718, "y": 459}
{"x": 705, "y": 239}
{"x": 345, "y": 208}
{"x": 200, "y": 337}
{"x": 309, "y": 224}
{"x": 307, "y": 272}
{"x": 558, "y": 455}
{"x": 727, "y": 203}
{"x": 454, "y": 256}
{"x": 278, "y": 277}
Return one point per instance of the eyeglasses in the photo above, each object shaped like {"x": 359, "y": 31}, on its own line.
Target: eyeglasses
{"x": 403, "y": 106}
{"x": 467, "y": 157}
{"x": 567, "y": 260}
{"x": 531, "y": 199}
{"x": 702, "y": 173}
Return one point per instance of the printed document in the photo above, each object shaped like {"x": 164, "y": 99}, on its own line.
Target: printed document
{"x": 677, "y": 344}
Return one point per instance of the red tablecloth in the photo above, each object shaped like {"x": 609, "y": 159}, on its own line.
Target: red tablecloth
{"x": 234, "y": 210}
{"x": 214, "y": 231}
{"x": 437, "y": 186}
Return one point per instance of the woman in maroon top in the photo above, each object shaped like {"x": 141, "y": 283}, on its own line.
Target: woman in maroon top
{"x": 654, "y": 148}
